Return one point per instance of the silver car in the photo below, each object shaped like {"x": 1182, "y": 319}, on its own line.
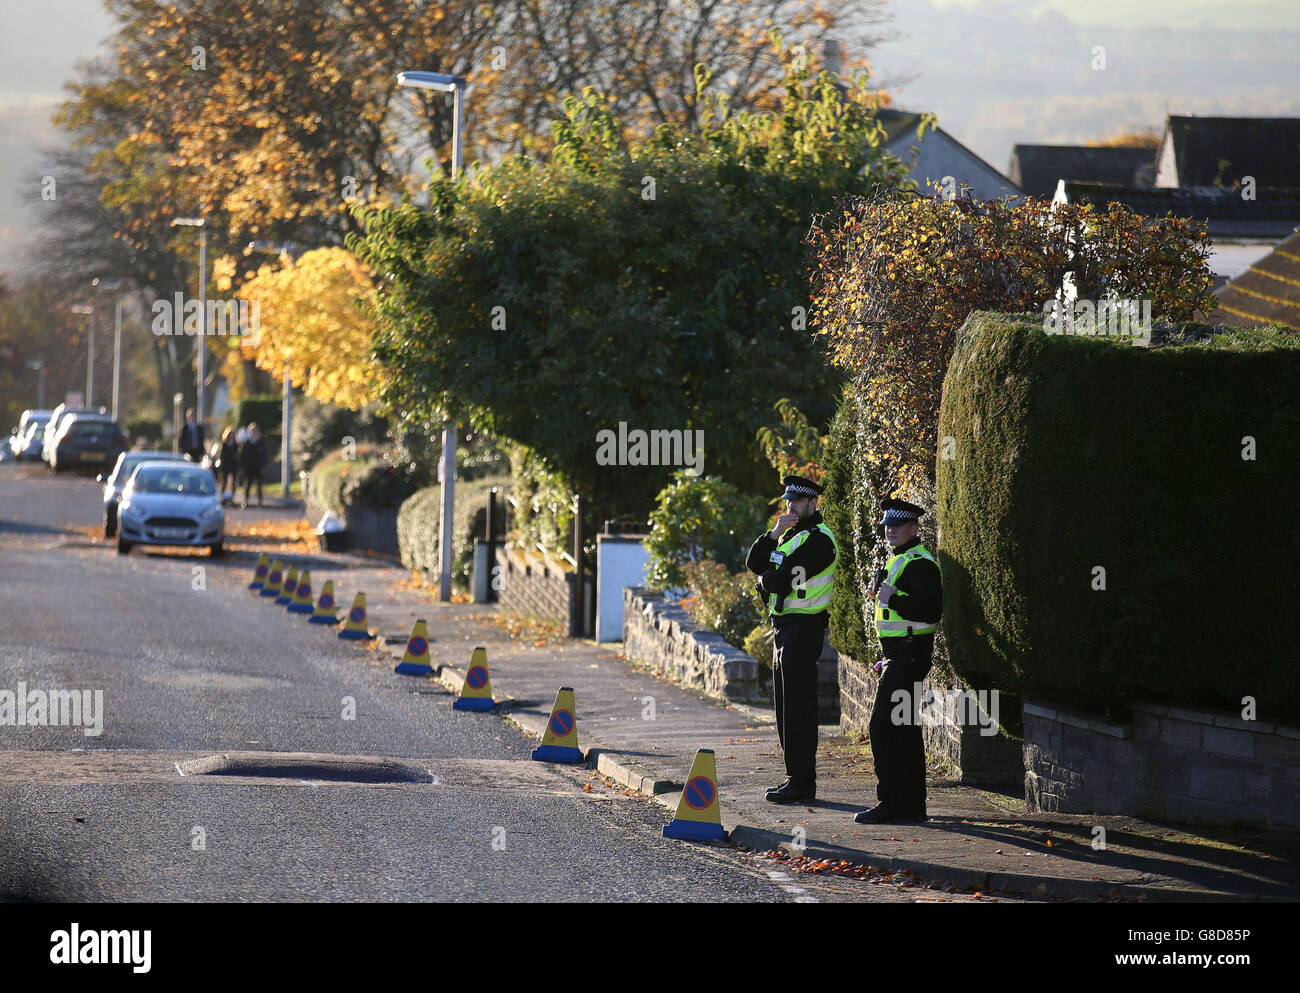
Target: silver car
{"x": 116, "y": 482}
{"x": 171, "y": 503}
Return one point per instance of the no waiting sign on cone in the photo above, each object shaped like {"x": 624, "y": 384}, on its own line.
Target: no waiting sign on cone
{"x": 698, "y": 817}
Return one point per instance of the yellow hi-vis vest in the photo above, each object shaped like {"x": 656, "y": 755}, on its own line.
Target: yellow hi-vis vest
{"x": 889, "y": 624}
{"x": 813, "y": 595}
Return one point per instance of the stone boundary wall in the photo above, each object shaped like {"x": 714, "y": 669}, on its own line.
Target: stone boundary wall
{"x": 533, "y": 586}
{"x": 1170, "y": 763}
{"x": 664, "y": 636}
{"x": 959, "y": 749}
{"x": 372, "y": 528}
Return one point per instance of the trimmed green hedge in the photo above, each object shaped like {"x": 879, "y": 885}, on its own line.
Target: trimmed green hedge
{"x": 331, "y": 474}
{"x": 418, "y": 523}
{"x": 1074, "y": 455}
{"x": 267, "y": 411}
{"x": 850, "y": 494}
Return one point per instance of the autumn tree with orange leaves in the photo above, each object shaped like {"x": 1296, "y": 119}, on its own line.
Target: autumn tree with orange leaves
{"x": 895, "y": 277}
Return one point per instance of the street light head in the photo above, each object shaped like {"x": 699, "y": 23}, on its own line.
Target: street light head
{"x": 440, "y": 81}
{"x": 82, "y": 308}
{"x": 188, "y": 222}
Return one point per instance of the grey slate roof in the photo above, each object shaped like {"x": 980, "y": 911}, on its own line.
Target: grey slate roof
{"x": 1036, "y": 169}
{"x": 1210, "y": 151}
{"x": 1274, "y": 213}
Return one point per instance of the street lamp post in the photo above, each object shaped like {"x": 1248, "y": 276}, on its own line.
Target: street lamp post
{"x": 115, "y": 284}
{"x": 39, "y": 366}
{"x": 201, "y": 391}
{"x": 455, "y": 85}
{"x": 88, "y": 311}
{"x": 289, "y": 248}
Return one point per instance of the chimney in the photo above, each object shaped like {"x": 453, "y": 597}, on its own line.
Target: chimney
{"x": 831, "y": 57}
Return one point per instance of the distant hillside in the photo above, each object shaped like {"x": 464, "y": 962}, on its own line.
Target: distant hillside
{"x": 1004, "y": 73}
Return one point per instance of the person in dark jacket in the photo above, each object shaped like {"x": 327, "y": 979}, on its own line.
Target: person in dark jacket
{"x": 909, "y": 601}
{"x": 253, "y": 457}
{"x": 795, "y": 563}
{"x": 192, "y": 440}
{"x": 228, "y": 464}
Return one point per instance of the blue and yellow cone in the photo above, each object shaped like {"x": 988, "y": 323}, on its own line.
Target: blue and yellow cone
{"x": 259, "y": 574}
{"x": 415, "y": 660}
{"x": 476, "y": 694}
{"x": 290, "y": 584}
{"x": 355, "y": 629}
{"x": 560, "y": 743}
{"x": 274, "y": 579}
{"x": 302, "y": 594}
{"x": 326, "y": 610}
{"x": 698, "y": 816}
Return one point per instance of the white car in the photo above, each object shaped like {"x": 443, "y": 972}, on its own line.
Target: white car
{"x": 171, "y": 503}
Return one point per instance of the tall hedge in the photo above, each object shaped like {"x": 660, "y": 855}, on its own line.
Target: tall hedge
{"x": 845, "y": 504}
{"x": 1075, "y": 455}
{"x": 420, "y": 520}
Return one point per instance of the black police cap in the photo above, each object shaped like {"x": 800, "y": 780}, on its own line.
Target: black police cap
{"x": 799, "y": 488}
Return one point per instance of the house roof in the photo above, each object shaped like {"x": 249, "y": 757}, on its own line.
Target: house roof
{"x": 1220, "y": 150}
{"x": 897, "y": 123}
{"x": 902, "y": 124}
{"x": 1274, "y": 213}
{"x": 1266, "y": 293}
{"x": 1037, "y": 168}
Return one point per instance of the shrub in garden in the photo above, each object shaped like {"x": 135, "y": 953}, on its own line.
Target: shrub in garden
{"x": 419, "y": 524}
{"x": 696, "y": 518}
{"x": 721, "y": 601}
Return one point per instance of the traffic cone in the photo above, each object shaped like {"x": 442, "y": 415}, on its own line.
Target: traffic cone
{"x": 290, "y": 584}
{"x": 560, "y": 743}
{"x": 259, "y": 574}
{"x": 326, "y": 611}
{"x": 355, "y": 629}
{"x": 302, "y": 595}
{"x": 273, "y": 581}
{"x": 476, "y": 694}
{"x": 698, "y": 818}
{"x": 415, "y": 661}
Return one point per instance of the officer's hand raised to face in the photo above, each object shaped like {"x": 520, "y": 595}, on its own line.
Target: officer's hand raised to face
{"x": 784, "y": 521}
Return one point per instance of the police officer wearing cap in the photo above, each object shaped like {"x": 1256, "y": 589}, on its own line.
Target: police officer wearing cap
{"x": 795, "y": 563}
{"x": 909, "y": 601}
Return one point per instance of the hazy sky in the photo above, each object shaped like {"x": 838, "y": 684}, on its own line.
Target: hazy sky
{"x": 995, "y": 71}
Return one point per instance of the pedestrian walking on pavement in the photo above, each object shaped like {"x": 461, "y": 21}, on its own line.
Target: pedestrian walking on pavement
{"x": 252, "y": 458}
{"x": 228, "y": 464}
{"x": 795, "y": 563}
{"x": 909, "y": 602}
{"x": 192, "y": 442}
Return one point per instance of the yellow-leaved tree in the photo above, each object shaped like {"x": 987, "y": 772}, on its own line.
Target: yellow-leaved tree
{"x": 312, "y": 322}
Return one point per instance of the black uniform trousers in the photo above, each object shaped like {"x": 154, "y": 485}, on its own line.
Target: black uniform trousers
{"x": 896, "y": 746}
{"x": 799, "y": 642}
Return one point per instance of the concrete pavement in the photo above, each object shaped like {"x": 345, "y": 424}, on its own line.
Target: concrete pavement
{"x": 643, "y": 731}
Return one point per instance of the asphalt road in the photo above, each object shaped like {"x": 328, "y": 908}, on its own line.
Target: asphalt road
{"x": 191, "y": 667}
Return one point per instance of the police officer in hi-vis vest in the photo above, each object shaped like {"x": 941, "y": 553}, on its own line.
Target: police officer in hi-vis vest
{"x": 795, "y": 563}
{"x": 909, "y": 601}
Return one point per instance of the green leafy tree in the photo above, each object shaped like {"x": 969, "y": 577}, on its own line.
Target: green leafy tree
{"x": 658, "y": 283}
{"x": 697, "y": 519}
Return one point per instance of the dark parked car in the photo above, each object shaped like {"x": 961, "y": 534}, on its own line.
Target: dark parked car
{"x": 116, "y": 482}
{"x": 87, "y": 443}
{"x": 28, "y": 447}
{"x": 60, "y": 414}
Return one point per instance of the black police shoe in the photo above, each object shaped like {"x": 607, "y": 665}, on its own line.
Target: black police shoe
{"x": 777, "y": 789}
{"x": 794, "y": 792}
{"x": 883, "y": 813}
